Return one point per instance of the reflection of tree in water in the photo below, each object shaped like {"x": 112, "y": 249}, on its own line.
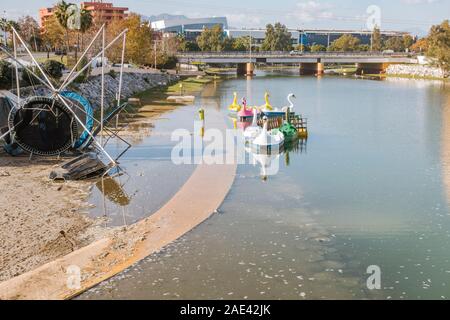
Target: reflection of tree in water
{"x": 296, "y": 146}
{"x": 115, "y": 193}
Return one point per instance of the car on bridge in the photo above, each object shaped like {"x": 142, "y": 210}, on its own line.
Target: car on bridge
{"x": 295, "y": 53}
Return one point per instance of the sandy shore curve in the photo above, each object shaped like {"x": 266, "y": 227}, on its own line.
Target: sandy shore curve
{"x": 196, "y": 201}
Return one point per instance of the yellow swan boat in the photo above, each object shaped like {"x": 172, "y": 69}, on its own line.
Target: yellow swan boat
{"x": 267, "y": 105}
{"x": 235, "y": 106}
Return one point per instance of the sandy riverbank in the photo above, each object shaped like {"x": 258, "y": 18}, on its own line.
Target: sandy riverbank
{"x": 39, "y": 220}
{"x": 42, "y": 223}
{"x": 197, "y": 200}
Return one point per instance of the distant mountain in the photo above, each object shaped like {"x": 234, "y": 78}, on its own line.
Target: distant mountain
{"x": 163, "y": 16}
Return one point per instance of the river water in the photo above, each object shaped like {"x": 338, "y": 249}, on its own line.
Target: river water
{"x": 370, "y": 187}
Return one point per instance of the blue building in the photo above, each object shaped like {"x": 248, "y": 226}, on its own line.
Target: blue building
{"x": 326, "y": 37}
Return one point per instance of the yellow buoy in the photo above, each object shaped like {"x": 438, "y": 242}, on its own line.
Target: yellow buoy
{"x": 201, "y": 114}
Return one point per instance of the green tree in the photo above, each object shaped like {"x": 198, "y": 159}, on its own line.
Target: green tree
{"x": 7, "y": 75}
{"x": 346, "y": 42}
{"x": 189, "y": 46}
{"x": 277, "y": 38}
{"x": 63, "y": 15}
{"x": 227, "y": 44}
{"x": 394, "y": 43}
{"x": 318, "y": 48}
{"x": 408, "y": 41}
{"x": 8, "y": 25}
{"x": 86, "y": 22}
{"x": 53, "y": 68}
{"x": 363, "y": 47}
{"x": 211, "y": 39}
{"x": 439, "y": 44}
{"x": 242, "y": 43}
{"x": 269, "y": 38}
{"x": 302, "y": 48}
{"x": 377, "y": 41}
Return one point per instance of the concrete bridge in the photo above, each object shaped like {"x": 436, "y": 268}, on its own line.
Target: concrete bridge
{"x": 309, "y": 62}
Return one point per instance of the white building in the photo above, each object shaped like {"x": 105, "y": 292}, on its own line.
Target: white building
{"x": 191, "y": 28}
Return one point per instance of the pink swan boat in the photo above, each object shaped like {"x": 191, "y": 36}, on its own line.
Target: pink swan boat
{"x": 245, "y": 113}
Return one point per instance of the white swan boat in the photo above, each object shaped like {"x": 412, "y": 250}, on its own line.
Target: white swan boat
{"x": 291, "y": 104}
{"x": 254, "y": 130}
{"x": 267, "y": 141}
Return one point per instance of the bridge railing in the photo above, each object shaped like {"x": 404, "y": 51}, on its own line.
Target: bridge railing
{"x": 283, "y": 54}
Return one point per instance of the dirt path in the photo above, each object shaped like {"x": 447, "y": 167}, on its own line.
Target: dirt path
{"x": 40, "y": 221}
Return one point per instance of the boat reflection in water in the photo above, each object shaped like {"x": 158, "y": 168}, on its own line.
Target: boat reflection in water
{"x": 270, "y": 163}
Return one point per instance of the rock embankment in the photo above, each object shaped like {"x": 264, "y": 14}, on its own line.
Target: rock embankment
{"x": 133, "y": 82}
{"x": 416, "y": 70}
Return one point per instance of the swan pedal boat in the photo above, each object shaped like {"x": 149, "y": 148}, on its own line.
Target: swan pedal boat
{"x": 267, "y": 142}
{"x": 235, "y": 107}
{"x": 254, "y": 130}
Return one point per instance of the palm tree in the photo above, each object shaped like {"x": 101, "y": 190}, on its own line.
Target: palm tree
{"x": 7, "y": 26}
{"x": 86, "y": 21}
{"x": 62, "y": 15}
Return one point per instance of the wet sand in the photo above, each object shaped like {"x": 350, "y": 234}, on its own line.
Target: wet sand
{"x": 46, "y": 231}
{"x": 196, "y": 201}
{"x": 39, "y": 220}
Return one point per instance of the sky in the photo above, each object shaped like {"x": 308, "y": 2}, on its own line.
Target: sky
{"x": 403, "y": 15}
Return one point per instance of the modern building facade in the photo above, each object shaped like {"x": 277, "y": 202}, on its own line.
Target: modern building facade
{"x": 258, "y": 35}
{"x": 102, "y": 12}
{"x": 190, "y": 28}
{"x": 309, "y": 37}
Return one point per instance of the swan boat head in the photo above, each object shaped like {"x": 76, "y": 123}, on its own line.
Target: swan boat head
{"x": 234, "y": 106}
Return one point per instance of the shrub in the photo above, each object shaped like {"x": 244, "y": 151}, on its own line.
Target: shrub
{"x": 6, "y": 75}
{"x": 85, "y": 74}
{"x": 53, "y": 68}
{"x": 112, "y": 73}
{"x": 170, "y": 62}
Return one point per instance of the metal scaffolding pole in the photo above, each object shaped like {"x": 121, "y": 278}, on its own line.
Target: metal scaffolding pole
{"x": 102, "y": 96}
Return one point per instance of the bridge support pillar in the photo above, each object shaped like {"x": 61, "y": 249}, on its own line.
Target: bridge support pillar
{"x": 311, "y": 68}
{"x": 371, "y": 68}
{"x": 245, "y": 69}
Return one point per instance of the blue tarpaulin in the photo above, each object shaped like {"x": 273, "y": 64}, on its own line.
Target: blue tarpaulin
{"x": 89, "y": 115}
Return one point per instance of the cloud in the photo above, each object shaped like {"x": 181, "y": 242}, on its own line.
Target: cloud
{"x": 245, "y": 20}
{"x": 312, "y": 10}
{"x": 419, "y": 1}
